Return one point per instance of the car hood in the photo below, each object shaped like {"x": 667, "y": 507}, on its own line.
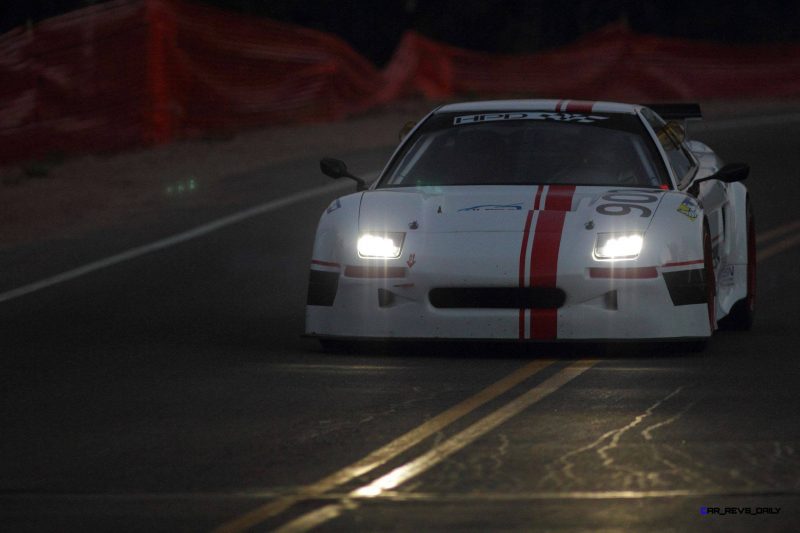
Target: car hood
{"x": 461, "y": 209}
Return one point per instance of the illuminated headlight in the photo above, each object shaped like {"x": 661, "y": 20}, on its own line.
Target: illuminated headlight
{"x": 386, "y": 245}
{"x": 618, "y": 245}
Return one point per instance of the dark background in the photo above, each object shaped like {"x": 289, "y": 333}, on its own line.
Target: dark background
{"x": 502, "y": 26}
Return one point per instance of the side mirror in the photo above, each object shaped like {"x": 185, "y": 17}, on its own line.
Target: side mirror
{"x": 336, "y": 169}
{"x": 730, "y": 173}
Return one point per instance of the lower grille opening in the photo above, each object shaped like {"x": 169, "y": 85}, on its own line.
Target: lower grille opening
{"x": 497, "y": 297}
{"x": 611, "y": 300}
{"x": 385, "y": 298}
{"x": 687, "y": 287}
{"x": 322, "y": 287}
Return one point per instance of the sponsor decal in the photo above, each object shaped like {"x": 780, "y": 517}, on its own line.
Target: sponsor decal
{"x": 688, "y": 209}
{"x": 623, "y": 202}
{"x": 412, "y": 260}
{"x": 726, "y": 276}
{"x": 336, "y": 204}
{"x": 493, "y": 207}
{"x": 528, "y": 115}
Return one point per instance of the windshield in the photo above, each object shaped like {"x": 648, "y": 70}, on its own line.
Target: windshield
{"x": 527, "y": 148}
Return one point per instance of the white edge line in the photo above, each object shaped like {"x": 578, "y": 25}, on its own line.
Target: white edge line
{"x": 288, "y": 200}
{"x": 193, "y": 233}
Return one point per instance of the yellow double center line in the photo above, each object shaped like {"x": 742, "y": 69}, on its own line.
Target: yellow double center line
{"x": 779, "y": 235}
{"x": 450, "y": 446}
{"x": 420, "y": 464}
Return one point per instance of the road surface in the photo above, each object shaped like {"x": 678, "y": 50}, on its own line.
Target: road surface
{"x": 170, "y": 390}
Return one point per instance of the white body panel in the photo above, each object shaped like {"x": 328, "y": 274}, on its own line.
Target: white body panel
{"x": 504, "y": 236}
{"x": 474, "y": 248}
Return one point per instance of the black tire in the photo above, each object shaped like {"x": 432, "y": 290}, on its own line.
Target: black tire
{"x": 700, "y": 345}
{"x": 743, "y": 312}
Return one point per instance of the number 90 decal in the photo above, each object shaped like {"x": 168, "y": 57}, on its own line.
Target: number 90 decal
{"x": 621, "y": 203}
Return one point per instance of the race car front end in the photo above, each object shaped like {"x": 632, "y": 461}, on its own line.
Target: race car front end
{"x": 538, "y": 263}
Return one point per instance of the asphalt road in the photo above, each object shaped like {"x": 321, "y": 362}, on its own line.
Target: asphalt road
{"x": 173, "y": 392}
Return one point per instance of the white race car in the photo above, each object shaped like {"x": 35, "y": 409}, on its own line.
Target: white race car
{"x": 538, "y": 220}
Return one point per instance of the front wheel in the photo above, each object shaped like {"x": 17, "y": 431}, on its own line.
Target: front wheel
{"x": 743, "y": 312}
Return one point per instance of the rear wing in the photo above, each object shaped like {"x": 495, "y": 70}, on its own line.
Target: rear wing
{"x": 677, "y": 111}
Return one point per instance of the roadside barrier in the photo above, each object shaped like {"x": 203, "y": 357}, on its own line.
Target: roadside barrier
{"x": 139, "y": 72}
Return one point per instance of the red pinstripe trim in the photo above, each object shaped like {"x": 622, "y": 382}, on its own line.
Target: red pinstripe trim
{"x": 523, "y": 253}
{"x": 624, "y": 273}
{"x": 559, "y": 198}
{"x": 544, "y": 255}
{"x": 558, "y": 105}
{"x": 538, "y": 197}
{"x": 522, "y": 256}
{"x": 376, "y": 271}
{"x": 325, "y": 263}
{"x": 579, "y": 106}
{"x": 684, "y": 263}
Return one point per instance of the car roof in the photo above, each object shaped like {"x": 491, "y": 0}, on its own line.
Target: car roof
{"x": 577, "y": 106}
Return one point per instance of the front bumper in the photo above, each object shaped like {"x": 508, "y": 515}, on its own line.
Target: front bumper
{"x": 595, "y": 308}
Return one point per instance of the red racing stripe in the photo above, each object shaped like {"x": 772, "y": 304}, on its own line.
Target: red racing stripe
{"x": 544, "y": 255}
{"x": 546, "y": 243}
{"x": 544, "y": 267}
{"x": 546, "y": 321}
{"x": 579, "y": 106}
{"x": 559, "y": 198}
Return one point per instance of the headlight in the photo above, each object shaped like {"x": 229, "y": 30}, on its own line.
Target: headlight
{"x": 384, "y": 245}
{"x": 618, "y": 245}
